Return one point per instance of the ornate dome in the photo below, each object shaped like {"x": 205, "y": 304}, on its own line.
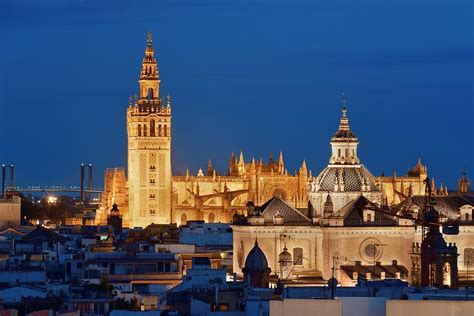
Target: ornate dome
{"x": 351, "y": 178}
{"x": 256, "y": 260}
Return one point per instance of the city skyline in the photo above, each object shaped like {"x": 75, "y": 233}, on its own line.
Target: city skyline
{"x": 208, "y": 99}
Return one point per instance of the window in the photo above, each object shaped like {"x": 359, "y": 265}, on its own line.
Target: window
{"x": 468, "y": 257}
{"x": 175, "y": 196}
{"x": 184, "y": 219}
{"x": 139, "y": 130}
{"x": 447, "y": 274}
{"x": 368, "y": 215}
{"x": 347, "y": 152}
{"x": 339, "y": 152}
{"x": 159, "y": 130}
{"x": 166, "y": 130}
{"x": 152, "y": 212}
{"x": 152, "y": 128}
{"x": 211, "y": 218}
{"x": 144, "y": 130}
{"x": 150, "y": 94}
{"x": 298, "y": 256}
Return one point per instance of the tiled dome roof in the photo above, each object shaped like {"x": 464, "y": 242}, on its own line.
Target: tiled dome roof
{"x": 354, "y": 177}
{"x": 256, "y": 260}
{"x": 343, "y": 134}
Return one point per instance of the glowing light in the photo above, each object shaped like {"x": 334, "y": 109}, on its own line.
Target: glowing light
{"x": 52, "y": 199}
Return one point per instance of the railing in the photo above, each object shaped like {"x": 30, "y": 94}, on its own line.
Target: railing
{"x": 378, "y": 222}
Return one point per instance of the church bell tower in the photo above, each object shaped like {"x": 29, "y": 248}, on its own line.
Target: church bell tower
{"x": 149, "y": 148}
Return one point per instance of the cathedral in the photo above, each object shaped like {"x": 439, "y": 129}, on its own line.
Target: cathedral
{"x": 147, "y": 192}
{"x": 308, "y": 228}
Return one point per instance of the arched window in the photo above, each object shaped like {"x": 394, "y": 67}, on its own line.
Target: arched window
{"x": 166, "y": 130}
{"x": 152, "y": 128}
{"x": 139, "y": 130}
{"x": 211, "y": 218}
{"x": 447, "y": 274}
{"x": 298, "y": 256}
{"x": 150, "y": 93}
{"x": 144, "y": 130}
{"x": 184, "y": 219}
{"x": 347, "y": 152}
{"x": 159, "y": 130}
{"x": 339, "y": 152}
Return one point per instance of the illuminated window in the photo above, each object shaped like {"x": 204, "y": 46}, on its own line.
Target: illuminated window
{"x": 298, "y": 256}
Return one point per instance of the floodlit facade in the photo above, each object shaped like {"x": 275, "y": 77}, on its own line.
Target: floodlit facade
{"x": 149, "y": 148}
{"x": 152, "y": 194}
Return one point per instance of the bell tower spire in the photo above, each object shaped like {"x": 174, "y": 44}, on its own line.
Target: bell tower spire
{"x": 149, "y": 75}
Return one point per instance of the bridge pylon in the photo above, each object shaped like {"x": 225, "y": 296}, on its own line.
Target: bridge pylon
{"x": 11, "y": 186}
{"x": 89, "y": 179}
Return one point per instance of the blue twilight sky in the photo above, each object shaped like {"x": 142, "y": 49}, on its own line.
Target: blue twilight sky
{"x": 257, "y": 75}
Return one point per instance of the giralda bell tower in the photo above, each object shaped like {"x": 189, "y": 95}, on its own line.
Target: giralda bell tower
{"x": 149, "y": 149}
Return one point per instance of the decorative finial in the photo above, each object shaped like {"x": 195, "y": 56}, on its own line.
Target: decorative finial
{"x": 136, "y": 99}
{"x": 130, "y": 98}
{"x": 149, "y": 38}
{"x": 344, "y": 109}
{"x": 168, "y": 100}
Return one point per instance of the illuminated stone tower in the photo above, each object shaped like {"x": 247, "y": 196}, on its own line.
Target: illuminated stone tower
{"x": 149, "y": 149}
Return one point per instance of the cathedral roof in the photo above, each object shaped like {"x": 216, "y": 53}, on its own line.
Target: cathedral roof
{"x": 277, "y": 206}
{"x": 352, "y": 213}
{"x": 256, "y": 260}
{"x": 353, "y": 177}
{"x": 447, "y": 206}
